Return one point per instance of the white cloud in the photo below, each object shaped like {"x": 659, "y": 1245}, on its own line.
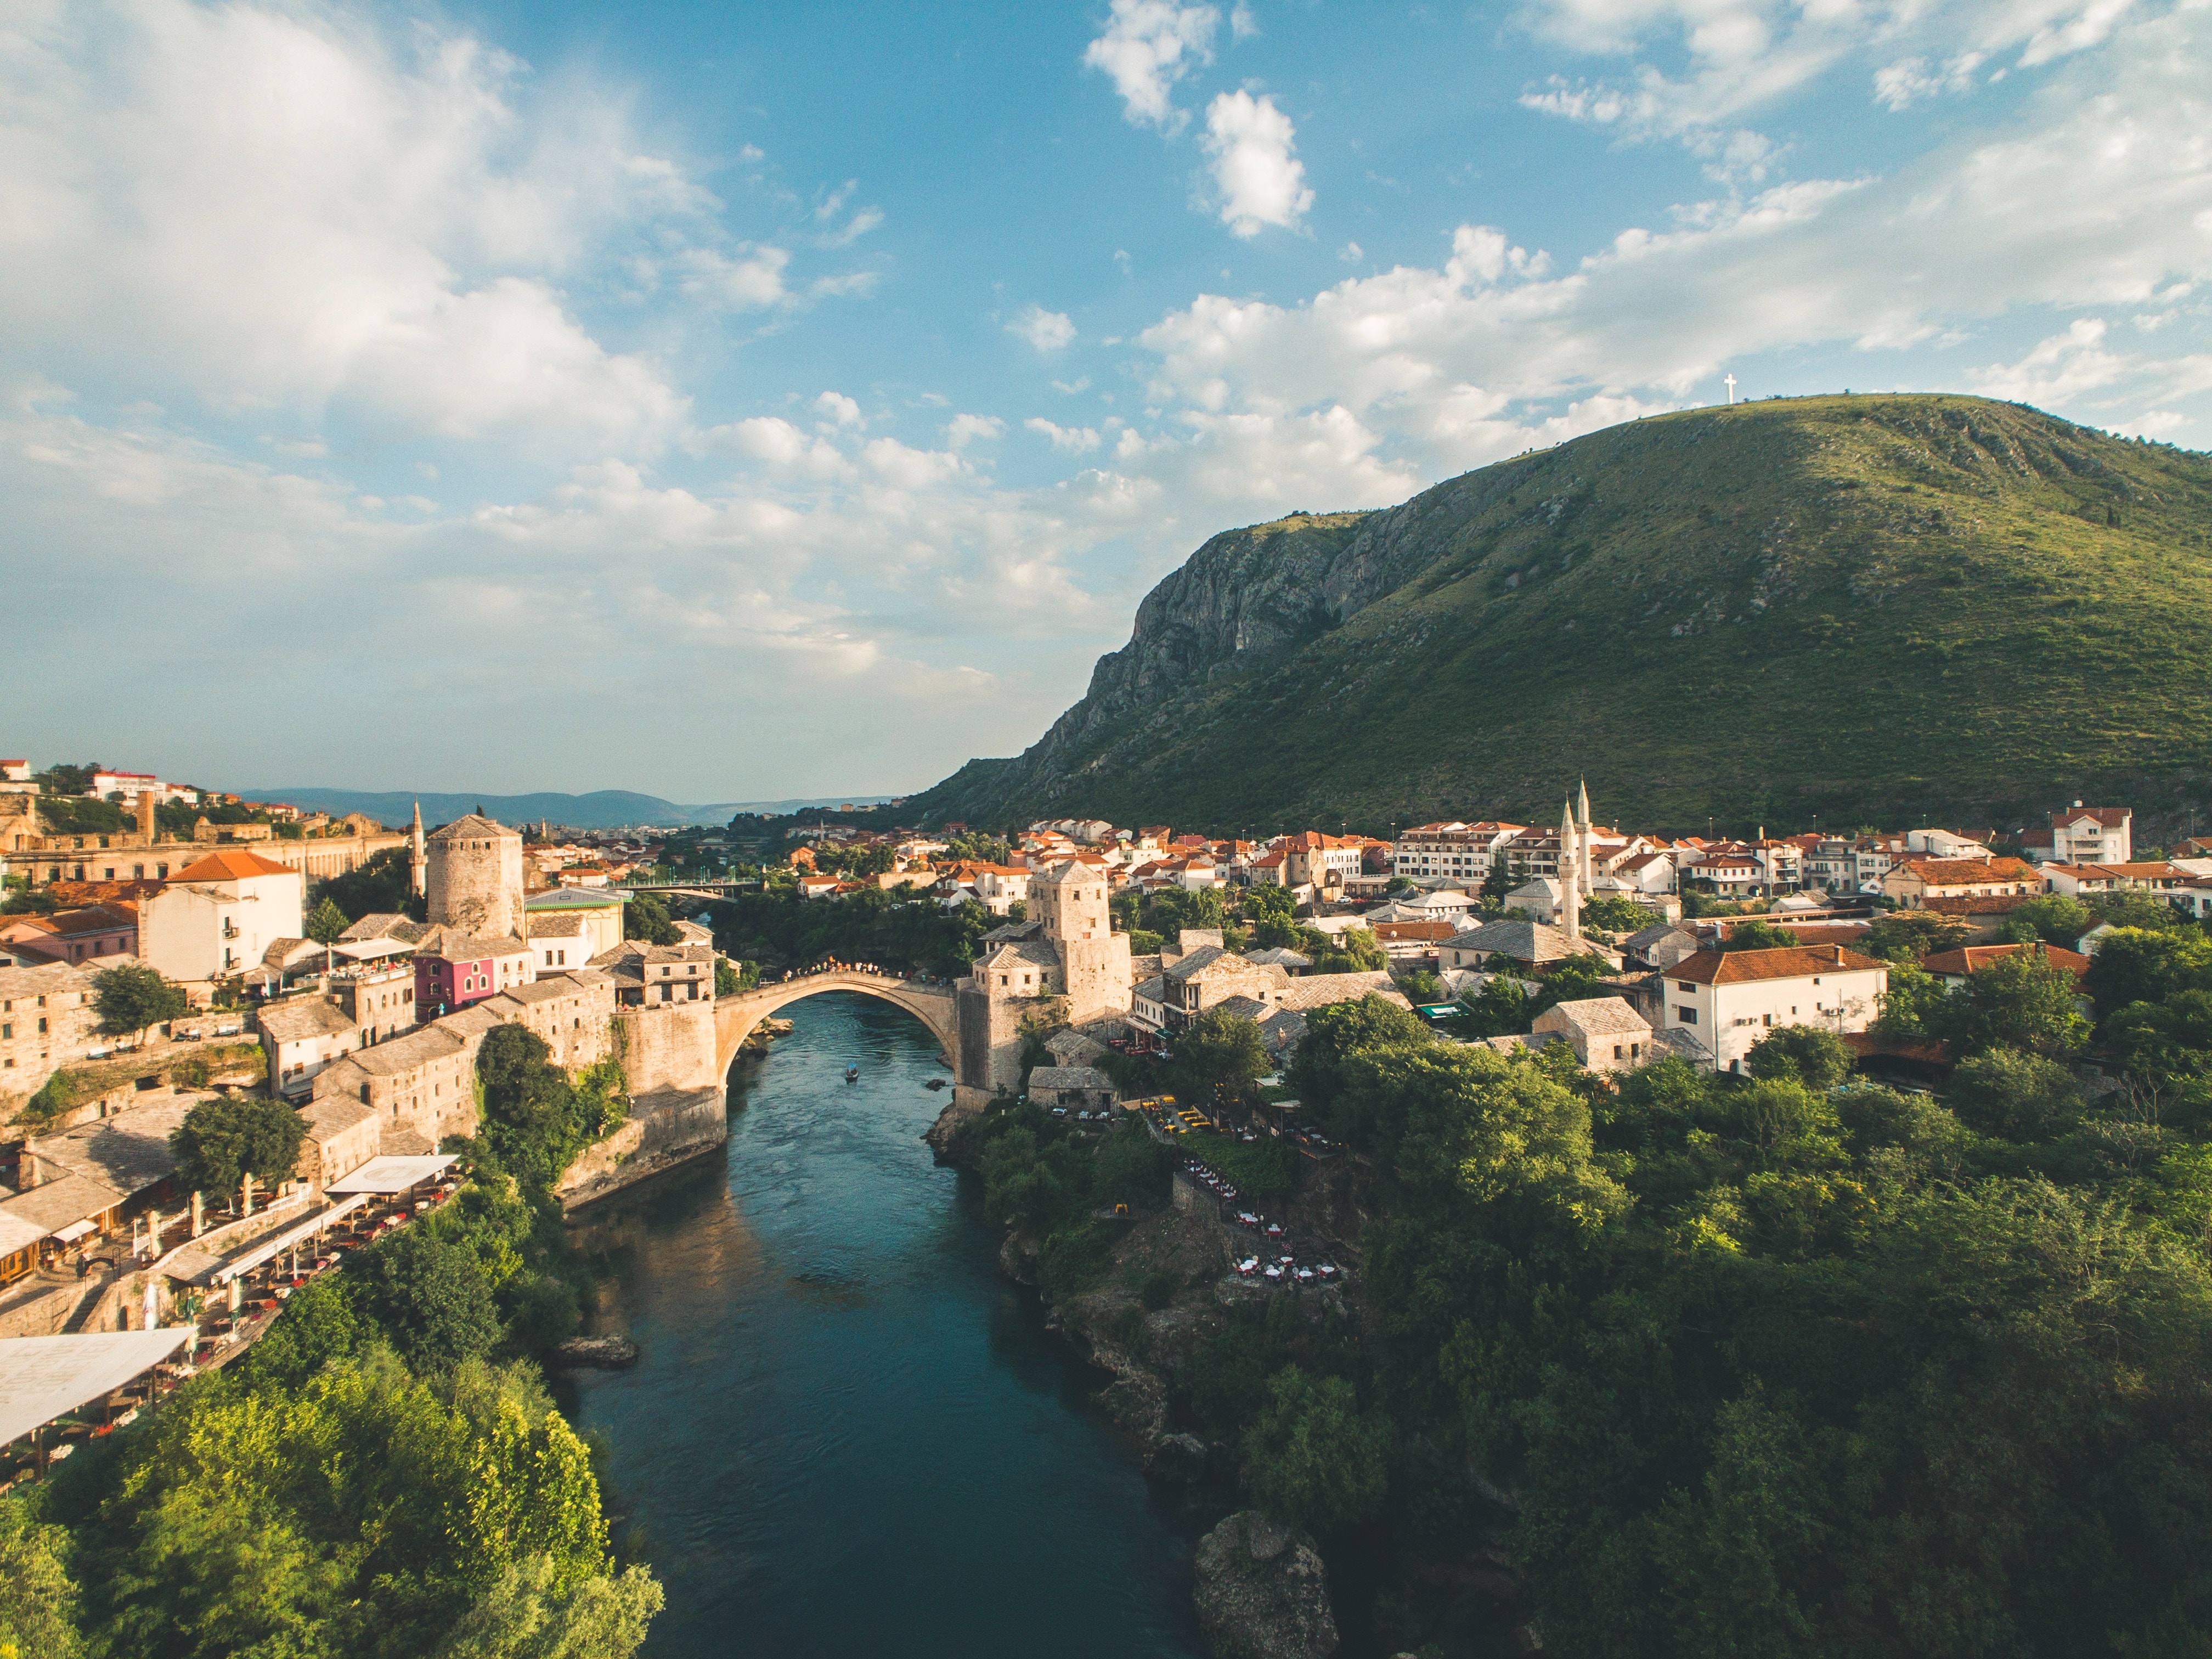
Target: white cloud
{"x": 2060, "y": 368}
{"x": 1260, "y": 181}
{"x": 1048, "y": 330}
{"x": 1069, "y": 388}
{"x": 1702, "y": 65}
{"x": 751, "y": 281}
{"x": 294, "y": 214}
{"x": 1243, "y": 26}
{"x": 1068, "y": 440}
{"x": 1149, "y": 45}
{"x": 840, "y": 409}
{"x": 963, "y": 430}
{"x": 2097, "y": 194}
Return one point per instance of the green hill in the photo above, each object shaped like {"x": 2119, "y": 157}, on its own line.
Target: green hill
{"x": 1842, "y": 610}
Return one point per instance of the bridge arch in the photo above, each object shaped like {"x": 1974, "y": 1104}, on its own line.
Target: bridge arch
{"x": 735, "y": 1017}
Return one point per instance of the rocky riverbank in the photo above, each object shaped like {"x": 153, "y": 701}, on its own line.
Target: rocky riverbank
{"x": 1159, "y": 1318}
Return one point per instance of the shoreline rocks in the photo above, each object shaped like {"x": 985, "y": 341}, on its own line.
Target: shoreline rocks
{"x": 1262, "y": 1592}
{"x": 610, "y": 1353}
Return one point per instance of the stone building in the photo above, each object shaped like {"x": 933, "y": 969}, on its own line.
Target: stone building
{"x": 47, "y": 1020}
{"x": 1065, "y": 966}
{"x": 1606, "y": 1034}
{"x": 473, "y": 876}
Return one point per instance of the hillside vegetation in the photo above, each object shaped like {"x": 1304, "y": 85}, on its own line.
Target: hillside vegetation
{"x": 1862, "y": 608}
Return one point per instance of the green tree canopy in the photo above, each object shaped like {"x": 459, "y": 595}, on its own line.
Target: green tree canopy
{"x": 1316, "y": 1461}
{"x": 2136, "y": 964}
{"x": 1226, "y": 1049}
{"x": 2025, "y": 1002}
{"x": 1907, "y": 936}
{"x": 1810, "y": 1055}
{"x": 326, "y": 923}
{"x": 644, "y": 916}
{"x": 2054, "y": 918}
{"x": 1758, "y": 934}
{"x": 1333, "y": 1035}
{"x": 225, "y": 1139}
{"x": 132, "y": 999}
{"x": 2022, "y": 1096}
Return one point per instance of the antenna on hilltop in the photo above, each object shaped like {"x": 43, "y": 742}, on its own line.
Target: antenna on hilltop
{"x": 1731, "y": 388}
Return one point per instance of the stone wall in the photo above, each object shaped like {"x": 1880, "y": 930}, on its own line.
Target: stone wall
{"x": 668, "y": 1046}
{"x": 666, "y": 1127}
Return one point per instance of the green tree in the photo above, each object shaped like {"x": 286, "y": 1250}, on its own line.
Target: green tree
{"x": 2054, "y": 918}
{"x": 735, "y": 978}
{"x": 1495, "y": 1007}
{"x": 1225, "y": 1050}
{"x": 132, "y": 999}
{"x": 1336, "y": 1033}
{"x": 383, "y": 885}
{"x": 326, "y": 925}
{"x": 2136, "y": 964}
{"x": 431, "y": 1296}
{"x": 1316, "y": 1461}
{"x": 1810, "y": 1055}
{"x": 1758, "y": 934}
{"x": 2025, "y": 1002}
{"x": 2022, "y": 1096}
{"x": 533, "y": 1120}
{"x": 1907, "y": 936}
{"x": 66, "y": 779}
{"x": 232, "y": 1140}
{"x": 38, "y": 1600}
{"x": 1610, "y": 913}
{"x": 644, "y": 916}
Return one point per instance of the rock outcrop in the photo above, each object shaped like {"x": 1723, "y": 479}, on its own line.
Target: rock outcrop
{"x": 610, "y": 1353}
{"x": 1262, "y": 1592}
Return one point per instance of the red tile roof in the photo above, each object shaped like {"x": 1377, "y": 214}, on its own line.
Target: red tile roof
{"x": 231, "y": 865}
{"x": 1743, "y": 967}
{"x": 1974, "y": 957}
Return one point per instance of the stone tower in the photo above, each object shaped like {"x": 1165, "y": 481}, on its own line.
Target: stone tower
{"x": 1571, "y": 895}
{"x": 147, "y": 822}
{"x": 474, "y": 877}
{"x": 416, "y": 862}
{"x": 1094, "y": 960}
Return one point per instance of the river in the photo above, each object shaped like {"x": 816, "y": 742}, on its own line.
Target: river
{"x": 849, "y": 1434}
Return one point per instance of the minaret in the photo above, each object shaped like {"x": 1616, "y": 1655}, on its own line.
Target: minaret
{"x": 418, "y": 862}
{"x": 1581, "y": 814}
{"x": 1570, "y": 898}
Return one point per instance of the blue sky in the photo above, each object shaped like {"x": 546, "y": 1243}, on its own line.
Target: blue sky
{"x": 734, "y": 402}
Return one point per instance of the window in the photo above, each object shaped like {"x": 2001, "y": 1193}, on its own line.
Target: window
{"x": 1683, "y": 984}
{"x": 1687, "y": 1016}
{"x": 1616, "y": 1051}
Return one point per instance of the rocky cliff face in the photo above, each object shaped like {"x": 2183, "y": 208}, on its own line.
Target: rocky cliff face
{"x": 1262, "y": 1592}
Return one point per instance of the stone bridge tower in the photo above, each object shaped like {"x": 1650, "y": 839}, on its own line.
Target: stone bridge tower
{"x": 475, "y": 878}
{"x": 1094, "y": 960}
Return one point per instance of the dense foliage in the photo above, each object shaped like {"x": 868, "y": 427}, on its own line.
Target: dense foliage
{"x": 382, "y": 886}
{"x": 382, "y": 1474}
{"x": 1770, "y": 1365}
{"x": 897, "y": 930}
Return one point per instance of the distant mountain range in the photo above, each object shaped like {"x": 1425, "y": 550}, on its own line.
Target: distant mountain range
{"x": 602, "y": 809}
{"x": 1822, "y": 612}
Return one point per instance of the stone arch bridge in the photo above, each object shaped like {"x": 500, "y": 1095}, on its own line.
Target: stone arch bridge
{"x": 735, "y": 1017}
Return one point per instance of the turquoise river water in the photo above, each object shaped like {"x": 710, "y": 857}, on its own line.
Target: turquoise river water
{"x": 849, "y": 1434}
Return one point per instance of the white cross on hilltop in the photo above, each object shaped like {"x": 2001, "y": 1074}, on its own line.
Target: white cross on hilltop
{"x": 1731, "y": 386}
